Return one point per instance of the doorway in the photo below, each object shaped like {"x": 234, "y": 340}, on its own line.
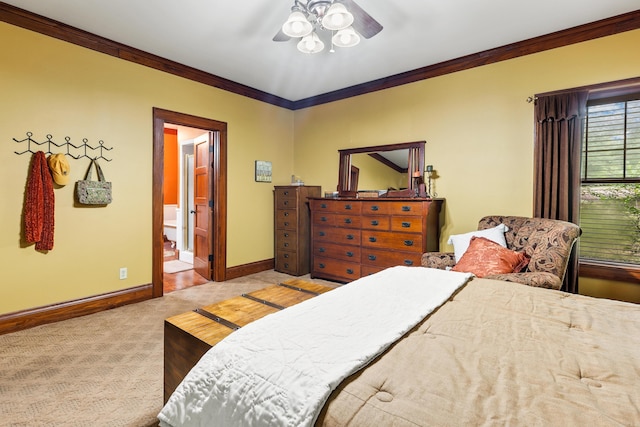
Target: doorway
{"x": 179, "y": 206}
{"x": 211, "y": 252}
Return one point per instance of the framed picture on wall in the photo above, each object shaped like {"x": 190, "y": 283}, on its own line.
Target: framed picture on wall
{"x": 263, "y": 171}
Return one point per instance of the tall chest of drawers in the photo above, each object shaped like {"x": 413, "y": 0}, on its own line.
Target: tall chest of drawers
{"x": 352, "y": 238}
{"x": 292, "y": 227}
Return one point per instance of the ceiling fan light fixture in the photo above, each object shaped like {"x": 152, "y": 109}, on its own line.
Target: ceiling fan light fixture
{"x": 346, "y": 38}
{"x": 310, "y": 44}
{"x": 297, "y": 25}
{"x": 337, "y": 17}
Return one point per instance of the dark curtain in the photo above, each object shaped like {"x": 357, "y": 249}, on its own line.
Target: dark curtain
{"x": 557, "y": 157}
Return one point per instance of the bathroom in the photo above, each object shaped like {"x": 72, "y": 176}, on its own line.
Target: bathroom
{"x": 178, "y": 197}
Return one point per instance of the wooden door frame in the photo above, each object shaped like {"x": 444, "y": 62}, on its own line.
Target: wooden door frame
{"x": 219, "y": 171}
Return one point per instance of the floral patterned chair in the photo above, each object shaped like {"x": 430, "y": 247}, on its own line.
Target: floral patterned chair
{"x": 547, "y": 242}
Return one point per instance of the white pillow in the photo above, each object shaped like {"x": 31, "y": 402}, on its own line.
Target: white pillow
{"x": 460, "y": 242}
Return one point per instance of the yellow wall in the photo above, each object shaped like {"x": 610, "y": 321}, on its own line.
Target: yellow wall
{"x": 478, "y": 128}
{"x": 477, "y": 124}
{"x": 51, "y": 87}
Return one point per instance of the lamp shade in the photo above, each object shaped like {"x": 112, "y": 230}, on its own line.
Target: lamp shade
{"x": 297, "y": 25}
{"x": 310, "y": 44}
{"x": 346, "y": 38}
{"x": 337, "y": 17}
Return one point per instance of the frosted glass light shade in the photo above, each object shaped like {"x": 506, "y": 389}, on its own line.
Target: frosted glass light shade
{"x": 297, "y": 25}
{"x": 310, "y": 44}
{"x": 346, "y": 38}
{"x": 337, "y": 17}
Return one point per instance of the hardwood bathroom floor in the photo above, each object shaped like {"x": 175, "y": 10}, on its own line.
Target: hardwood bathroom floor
{"x": 182, "y": 279}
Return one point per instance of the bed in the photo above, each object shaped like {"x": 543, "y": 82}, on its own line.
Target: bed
{"x": 491, "y": 353}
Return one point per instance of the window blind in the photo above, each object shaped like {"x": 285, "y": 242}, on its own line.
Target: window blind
{"x": 610, "y": 193}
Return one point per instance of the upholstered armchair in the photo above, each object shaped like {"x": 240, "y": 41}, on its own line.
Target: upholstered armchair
{"x": 547, "y": 242}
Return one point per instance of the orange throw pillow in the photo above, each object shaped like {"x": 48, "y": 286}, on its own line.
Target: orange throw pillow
{"x": 485, "y": 257}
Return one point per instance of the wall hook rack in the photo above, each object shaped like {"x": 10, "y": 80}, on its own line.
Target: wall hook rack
{"x": 71, "y": 150}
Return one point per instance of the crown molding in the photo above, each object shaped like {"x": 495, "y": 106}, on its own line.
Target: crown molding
{"x": 43, "y": 25}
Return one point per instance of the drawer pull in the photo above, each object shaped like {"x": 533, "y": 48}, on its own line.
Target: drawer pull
{"x": 286, "y": 245}
{"x": 408, "y": 242}
{"x": 286, "y": 234}
{"x": 408, "y": 262}
{"x": 323, "y": 219}
{"x": 285, "y": 203}
{"x": 286, "y": 224}
{"x": 347, "y": 207}
{"x": 286, "y": 214}
{"x": 373, "y": 239}
{"x": 321, "y": 265}
{"x": 286, "y": 265}
{"x": 406, "y": 225}
{"x": 350, "y": 237}
{"x": 372, "y": 257}
{"x": 349, "y": 271}
{"x": 286, "y": 193}
{"x": 286, "y": 256}
{"x": 375, "y": 223}
{"x": 321, "y": 250}
{"x": 323, "y": 206}
{"x": 347, "y": 221}
{"x": 406, "y": 209}
{"x": 375, "y": 208}
{"x": 350, "y": 254}
{"x": 321, "y": 233}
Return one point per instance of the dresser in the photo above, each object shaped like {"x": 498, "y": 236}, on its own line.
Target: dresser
{"x": 352, "y": 238}
{"x": 292, "y": 224}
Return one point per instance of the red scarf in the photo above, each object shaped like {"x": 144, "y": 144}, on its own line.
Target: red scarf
{"x": 39, "y": 206}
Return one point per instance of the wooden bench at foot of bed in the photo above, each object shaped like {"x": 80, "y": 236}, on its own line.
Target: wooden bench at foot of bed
{"x": 188, "y": 336}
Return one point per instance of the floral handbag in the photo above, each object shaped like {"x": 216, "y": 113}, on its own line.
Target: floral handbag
{"x": 90, "y": 192}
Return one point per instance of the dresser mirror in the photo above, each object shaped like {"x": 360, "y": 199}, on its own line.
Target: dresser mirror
{"x": 401, "y": 165}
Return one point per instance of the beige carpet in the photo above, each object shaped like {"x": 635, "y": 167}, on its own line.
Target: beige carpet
{"x": 175, "y": 266}
{"x": 104, "y": 369}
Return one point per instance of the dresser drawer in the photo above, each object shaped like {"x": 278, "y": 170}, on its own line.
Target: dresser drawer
{"x": 332, "y": 250}
{"x": 391, "y": 240}
{"x": 405, "y": 208}
{"x": 343, "y": 270}
{"x": 286, "y": 193}
{"x": 348, "y": 221}
{"x": 324, "y": 218}
{"x": 336, "y": 206}
{"x": 375, "y": 208}
{"x": 410, "y": 224}
{"x": 368, "y": 270}
{"x": 286, "y": 202}
{"x": 375, "y": 223}
{"x": 337, "y": 235}
{"x": 287, "y": 219}
{"x": 386, "y": 258}
{"x": 286, "y": 239}
{"x": 338, "y": 220}
{"x": 286, "y": 261}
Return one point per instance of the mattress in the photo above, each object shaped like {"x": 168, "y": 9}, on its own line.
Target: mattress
{"x": 501, "y": 353}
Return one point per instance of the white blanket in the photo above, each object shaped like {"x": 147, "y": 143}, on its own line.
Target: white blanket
{"x": 280, "y": 370}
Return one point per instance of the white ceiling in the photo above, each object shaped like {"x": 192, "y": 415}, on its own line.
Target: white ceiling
{"x": 233, "y": 38}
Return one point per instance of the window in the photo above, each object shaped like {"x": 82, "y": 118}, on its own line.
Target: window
{"x": 610, "y": 192}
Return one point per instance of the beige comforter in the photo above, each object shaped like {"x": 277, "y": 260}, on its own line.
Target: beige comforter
{"x": 499, "y": 354}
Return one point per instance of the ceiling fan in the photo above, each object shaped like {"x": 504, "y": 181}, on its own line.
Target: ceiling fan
{"x": 344, "y": 18}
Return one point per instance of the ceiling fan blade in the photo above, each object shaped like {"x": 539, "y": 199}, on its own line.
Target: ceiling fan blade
{"x": 363, "y": 23}
{"x": 281, "y": 37}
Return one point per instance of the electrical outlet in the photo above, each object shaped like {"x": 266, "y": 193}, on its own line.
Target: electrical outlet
{"x": 123, "y": 273}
